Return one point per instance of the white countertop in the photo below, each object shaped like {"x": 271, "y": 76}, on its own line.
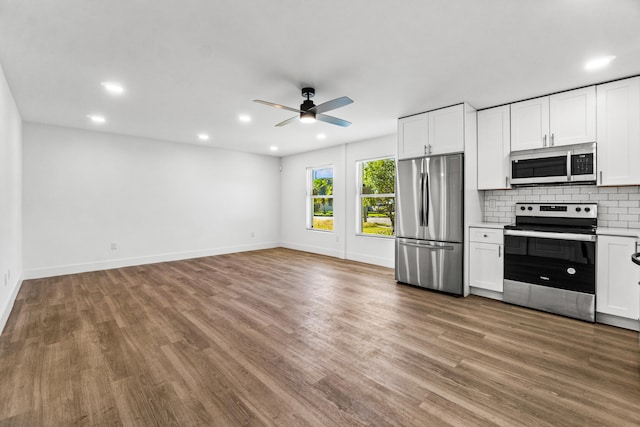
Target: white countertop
{"x": 488, "y": 224}
{"x": 625, "y": 232}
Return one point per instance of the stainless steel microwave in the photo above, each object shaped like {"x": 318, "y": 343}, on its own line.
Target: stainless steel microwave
{"x": 570, "y": 164}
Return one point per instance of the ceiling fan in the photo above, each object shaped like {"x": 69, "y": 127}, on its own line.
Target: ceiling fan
{"x": 310, "y": 112}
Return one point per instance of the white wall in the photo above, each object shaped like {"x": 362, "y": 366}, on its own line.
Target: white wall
{"x": 343, "y": 241}
{"x": 294, "y": 233}
{"x": 369, "y": 249}
{"x": 155, "y": 200}
{"x": 10, "y": 200}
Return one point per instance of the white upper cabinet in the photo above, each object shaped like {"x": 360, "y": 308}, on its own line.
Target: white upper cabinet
{"x": 619, "y": 132}
{"x": 446, "y": 130}
{"x": 435, "y": 132}
{"x": 562, "y": 119}
{"x": 413, "y": 136}
{"x": 494, "y": 145}
{"x": 572, "y": 117}
{"x": 530, "y": 124}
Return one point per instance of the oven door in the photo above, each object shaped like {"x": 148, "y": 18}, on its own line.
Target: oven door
{"x": 557, "y": 260}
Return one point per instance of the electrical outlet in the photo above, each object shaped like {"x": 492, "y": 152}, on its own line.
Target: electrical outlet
{"x": 253, "y": 234}
{"x": 114, "y": 246}
{"x": 492, "y": 203}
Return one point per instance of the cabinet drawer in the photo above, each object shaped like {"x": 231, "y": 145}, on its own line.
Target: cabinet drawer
{"x": 486, "y": 235}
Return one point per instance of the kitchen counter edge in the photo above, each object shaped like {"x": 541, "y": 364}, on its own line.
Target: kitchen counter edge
{"x": 623, "y": 232}
{"x": 498, "y": 225}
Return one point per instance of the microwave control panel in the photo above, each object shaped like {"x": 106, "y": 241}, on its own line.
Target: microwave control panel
{"x": 582, "y": 164}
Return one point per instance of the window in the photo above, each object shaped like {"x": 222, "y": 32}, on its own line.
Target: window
{"x": 377, "y": 199}
{"x": 320, "y": 198}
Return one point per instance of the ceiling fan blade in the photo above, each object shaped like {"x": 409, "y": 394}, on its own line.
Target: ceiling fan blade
{"x": 286, "y": 122}
{"x": 281, "y": 107}
{"x": 332, "y": 105}
{"x": 332, "y": 120}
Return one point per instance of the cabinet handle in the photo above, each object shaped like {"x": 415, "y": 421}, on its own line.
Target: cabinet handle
{"x": 544, "y": 141}
{"x": 425, "y": 149}
{"x": 484, "y": 235}
{"x": 499, "y": 251}
{"x": 600, "y": 177}
{"x": 552, "y": 138}
{"x": 506, "y": 181}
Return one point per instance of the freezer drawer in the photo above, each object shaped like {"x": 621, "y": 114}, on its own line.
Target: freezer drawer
{"x": 430, "y": 264}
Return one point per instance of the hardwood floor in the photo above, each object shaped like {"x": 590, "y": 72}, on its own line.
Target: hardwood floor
{"x": 285, "y": 338}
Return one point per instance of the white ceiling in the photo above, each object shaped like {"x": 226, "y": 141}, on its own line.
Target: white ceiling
{"x": 192, "y": 66}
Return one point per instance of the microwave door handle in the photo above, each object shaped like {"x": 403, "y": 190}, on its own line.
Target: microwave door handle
{"x": 568, "y": 166}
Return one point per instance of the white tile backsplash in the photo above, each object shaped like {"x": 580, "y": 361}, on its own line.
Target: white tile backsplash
{"x": 618, "y": 207}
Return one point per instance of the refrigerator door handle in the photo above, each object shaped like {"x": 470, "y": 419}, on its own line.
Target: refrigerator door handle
{"x": 425, "y": 199}
{"x": 416, "y": 245}
{"x": 422, "y": 200}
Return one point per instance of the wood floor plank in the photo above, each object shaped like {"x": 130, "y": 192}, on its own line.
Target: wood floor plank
{"x": 285, "y": 338}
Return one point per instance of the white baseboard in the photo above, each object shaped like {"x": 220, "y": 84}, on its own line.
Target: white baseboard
{"x": 368, "y": 259}
{"x": 37, "y": 273}
{"x": 7, "y": 309}
{"x": 313, "y": 249}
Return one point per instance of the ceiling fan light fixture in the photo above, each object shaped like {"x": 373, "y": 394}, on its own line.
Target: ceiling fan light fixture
{"x": 308, "y": 117}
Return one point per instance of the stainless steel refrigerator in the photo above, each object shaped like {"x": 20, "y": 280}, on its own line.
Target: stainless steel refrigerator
{"x": 429, "y": 223}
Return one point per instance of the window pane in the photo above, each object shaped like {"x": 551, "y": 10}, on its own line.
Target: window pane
{"x": 322, "y": 181}
{"x": 323, "y": 213}
{"x": 379, "y": 176}
{"x": 378, "y": 215}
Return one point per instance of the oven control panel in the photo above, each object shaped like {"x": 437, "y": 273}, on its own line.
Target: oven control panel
{"x": 560, "y": 210}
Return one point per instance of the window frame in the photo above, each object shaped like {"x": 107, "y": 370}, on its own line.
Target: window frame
{"x": 310, "y": 198}
{"x": 359, "y": 195}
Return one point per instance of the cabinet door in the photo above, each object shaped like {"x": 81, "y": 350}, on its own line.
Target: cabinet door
{"x": 572, "y": 117}
{"x": 619, "y": 132}
{"x": 446, "y": 130}
{"x": 530, "y": 124}
{"x": 617, "y": 290}
{"x": 494, "y": 145}
{"x": 413, "y": 134}
{"x": 486, "y": 263}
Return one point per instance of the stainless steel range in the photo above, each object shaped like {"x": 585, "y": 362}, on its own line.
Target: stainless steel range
{"x": 550, "y": 258}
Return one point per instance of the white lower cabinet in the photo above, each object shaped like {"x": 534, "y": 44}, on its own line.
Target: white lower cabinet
{"x": 617, "y": 290}
{"x": 486, "y": 258}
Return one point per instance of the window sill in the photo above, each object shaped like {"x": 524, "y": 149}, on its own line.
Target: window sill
{"x": 318, "y": 230}
{"x": 379, "y": 236}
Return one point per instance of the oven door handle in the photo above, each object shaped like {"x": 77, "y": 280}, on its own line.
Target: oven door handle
{"x": 551, "y": 235}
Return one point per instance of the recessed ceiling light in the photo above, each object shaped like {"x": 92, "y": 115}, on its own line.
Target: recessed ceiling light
{"x": 114, "y": 88}
{"x": 203, "y": 137}
{"x": 598, "y": 63}
{"x": 321, "y": 136}
{"x": 273, "y": 148}
{"x": 244, "y": 118}
{"x": 96, "y": 119}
